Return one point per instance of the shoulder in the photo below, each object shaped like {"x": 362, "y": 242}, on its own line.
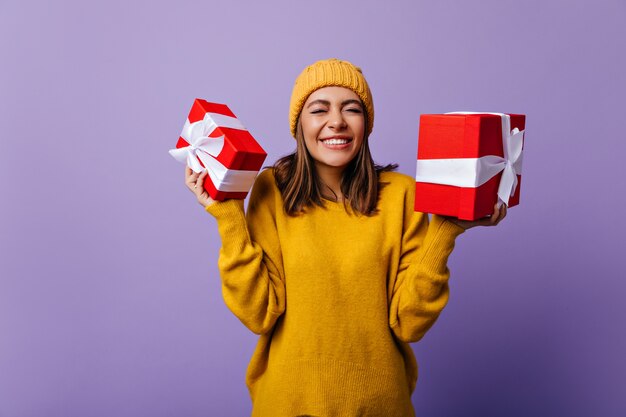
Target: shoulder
{"x": 397, "y": 193}
{"x": 398, "y": 182}
{"x": 264, "y": 191}
{"x": 265, "y": 181}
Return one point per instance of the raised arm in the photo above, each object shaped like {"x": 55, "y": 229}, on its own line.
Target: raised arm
{"x": 250, "y": 260}
{"x": 421, "y": 287}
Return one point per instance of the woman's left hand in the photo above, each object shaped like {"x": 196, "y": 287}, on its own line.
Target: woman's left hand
{"x": 499, "y": 213}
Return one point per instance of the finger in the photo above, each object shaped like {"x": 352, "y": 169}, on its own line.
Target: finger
{"x": 483, "y": 222}
{"x": 495, "y": 216}
{"x": 503, "y": 212}
{"x": 203, "y": 194}
{"x": 192, "y": 183}
{"x": 192, "y": 178}
{"x": 188, "y": 173}
{"x": 199, "y": 186}
{"x": 189, "y": 183}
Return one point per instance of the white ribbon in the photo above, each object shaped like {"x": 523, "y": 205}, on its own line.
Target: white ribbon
{"x": 474, "y": 172}
{"x": 206, "y": 148}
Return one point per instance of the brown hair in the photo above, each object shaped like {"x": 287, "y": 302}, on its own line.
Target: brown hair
{"x": 301, "y": 187}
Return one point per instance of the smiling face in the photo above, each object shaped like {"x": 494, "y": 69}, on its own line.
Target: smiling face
{"x": 333, "y": 125}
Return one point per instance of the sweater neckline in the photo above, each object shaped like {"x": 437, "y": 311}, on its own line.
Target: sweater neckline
{"x": 333, "y": 205}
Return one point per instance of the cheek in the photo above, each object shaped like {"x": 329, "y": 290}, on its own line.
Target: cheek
{"x": 310, "y": 138}
{"x": 310, "y": 124}
{"x": 359, "y": 142}
{"x": 360, "y": 126}
{"x": 309, "y": 144}
{"x": 311, "y": 131}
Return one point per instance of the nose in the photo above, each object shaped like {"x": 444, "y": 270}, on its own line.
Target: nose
{"x": 336, "y": 120}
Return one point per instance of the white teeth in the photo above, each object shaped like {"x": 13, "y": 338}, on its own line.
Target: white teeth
{"x": 336, "y": 141}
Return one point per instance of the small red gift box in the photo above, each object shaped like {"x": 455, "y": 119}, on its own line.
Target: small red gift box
{"x": 467, "y": 161}
{"x": 214, "y": 139}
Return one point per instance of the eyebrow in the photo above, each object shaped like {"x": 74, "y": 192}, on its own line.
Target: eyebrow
{"x": 327, "y": 103}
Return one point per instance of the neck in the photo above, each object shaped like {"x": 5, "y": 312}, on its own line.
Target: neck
{"x": 331, "y": 177}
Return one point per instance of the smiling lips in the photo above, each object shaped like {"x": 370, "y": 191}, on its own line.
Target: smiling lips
{"x": 336, "y": 142}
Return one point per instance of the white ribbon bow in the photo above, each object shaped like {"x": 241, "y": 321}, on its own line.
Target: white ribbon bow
{"x": 206, "y": 148}
{"x": 474, "y": 172}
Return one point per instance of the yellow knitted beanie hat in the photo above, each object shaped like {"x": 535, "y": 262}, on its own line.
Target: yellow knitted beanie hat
{"x": 325, "y": 73}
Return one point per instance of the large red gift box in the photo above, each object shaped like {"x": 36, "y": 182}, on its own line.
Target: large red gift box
{"x": 461, "y": 159}
{"x": 214, "y": 139}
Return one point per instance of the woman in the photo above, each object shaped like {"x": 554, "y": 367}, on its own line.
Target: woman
{"x": 331, "y": 266}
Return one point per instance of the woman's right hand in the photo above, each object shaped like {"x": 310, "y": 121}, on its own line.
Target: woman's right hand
{"x": 194, "y": 182}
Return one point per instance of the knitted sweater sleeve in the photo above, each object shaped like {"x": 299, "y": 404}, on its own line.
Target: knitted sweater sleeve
{"x": 421, "y": 290}
{"x": 250, "y": 260}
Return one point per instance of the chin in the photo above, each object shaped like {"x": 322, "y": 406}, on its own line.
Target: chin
{"x": 335, "y": 163}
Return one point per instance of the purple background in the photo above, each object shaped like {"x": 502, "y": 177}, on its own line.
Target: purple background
{"x": 110, "y": 301}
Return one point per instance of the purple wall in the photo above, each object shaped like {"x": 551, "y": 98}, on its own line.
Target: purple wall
{"x": 110, "y": 300}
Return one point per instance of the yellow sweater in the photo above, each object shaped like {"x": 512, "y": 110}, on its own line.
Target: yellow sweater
{"x": 335, "y": 298}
